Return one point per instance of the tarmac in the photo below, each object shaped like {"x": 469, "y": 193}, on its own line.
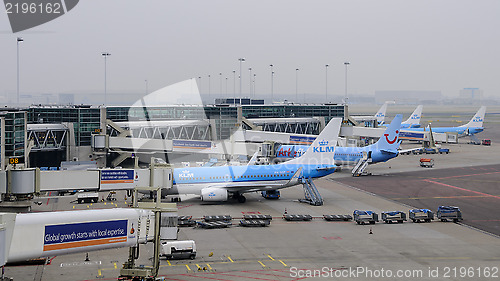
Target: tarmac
{"x": 468, "y": 177}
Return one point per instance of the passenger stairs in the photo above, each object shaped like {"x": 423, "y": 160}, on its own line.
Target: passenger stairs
{"x": 360, "y": 167}
{"x": 311, "y": 193}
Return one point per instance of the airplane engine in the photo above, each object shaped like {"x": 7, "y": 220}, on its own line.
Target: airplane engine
{"x": 213, "y": 194}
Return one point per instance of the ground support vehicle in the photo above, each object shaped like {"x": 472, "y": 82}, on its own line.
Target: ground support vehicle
{"x": 445, "y": 213}
{"x": 362, "y": 217}
{"x": 418, "y": 215}
{"x": 395, "y": 216}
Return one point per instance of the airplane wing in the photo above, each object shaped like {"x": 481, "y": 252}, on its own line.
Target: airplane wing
{"x": 409, "y": 150}
{"x": 245, "y": 187}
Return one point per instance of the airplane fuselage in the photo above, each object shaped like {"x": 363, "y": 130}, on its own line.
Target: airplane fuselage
{"x": 343, "y": 155}
{"x": 462, "y": 131}
{"x": 192, "y": 180}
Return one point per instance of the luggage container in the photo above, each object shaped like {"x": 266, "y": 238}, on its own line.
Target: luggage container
{"x": 362, "y": 217}
{"x": 418, "y": 215}
{"x": 395, "y": 216}
{"x": 445, "y": 213}
{"x": 337, "y": 217}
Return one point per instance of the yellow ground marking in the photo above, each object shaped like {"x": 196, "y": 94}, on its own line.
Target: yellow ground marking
{"x": 99, "y": 272}
{"x": 229, "y": 258}
{"x": 284, "y": 264}
{"x": 263, "y": 265}
{"x": 187, "y": 266}
{"x": 270, "y": 257}
{"x": 169, "y": 264}
{"x": 115, "y": 265}
{"x": 209, "y": 267}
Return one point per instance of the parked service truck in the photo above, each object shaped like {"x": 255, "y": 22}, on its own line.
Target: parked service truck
{"x": 417, "y": 215}
{"x": 178, "y": 249}
{"x": 395, "y": 216}
{"x": 88, "y": 197}
{"x": 445, "y": 213}
{"x": 362, "y": 217}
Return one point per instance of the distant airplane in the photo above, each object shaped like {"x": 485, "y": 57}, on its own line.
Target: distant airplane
{"x": 414, "y": 120}
{"x": 380, "y": 115}
{"x": 384, "y": 149}
{"x": 474, "y": 126}
{"x": 220, "y": 182}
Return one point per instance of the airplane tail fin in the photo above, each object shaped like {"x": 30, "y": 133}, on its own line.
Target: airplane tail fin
{"x": 322, "y": 149}
{"x": 414, "y": 118}
{"x": 380, "y": 115}
{"x": 477, "y": 120}
{"x": 389, "y": 141}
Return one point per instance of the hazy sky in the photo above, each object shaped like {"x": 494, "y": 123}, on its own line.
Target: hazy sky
{"x": 443, "y": 45}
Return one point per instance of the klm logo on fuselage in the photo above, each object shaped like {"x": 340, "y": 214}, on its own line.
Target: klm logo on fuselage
{"x": 186, "y": 174}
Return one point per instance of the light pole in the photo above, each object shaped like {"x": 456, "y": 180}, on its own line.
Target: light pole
{"x": 272, "y": 82}
{"x": 250, "y": 80}
{"x": 234, "y": 86}
{"x": 220, "y": 78}
{"x": 241, "y": 61}
{"x": 199, "y": 78}
{"x": 326, "y": 82}
{"x": 105, "y": 55}
{"x": 254, "y": 76}
{"x": 297, "y": 85}
{"x": 19, "y": 40}
{"x": 346, "y": 64}
{"x": 226, "y": 86}
{"x": 209, "y": 89}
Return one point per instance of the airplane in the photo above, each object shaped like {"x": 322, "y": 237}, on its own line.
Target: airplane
{"x": 384, "y": 149}
{"x": 220, "y": 182}
{"x": 474, "y": 126}
{"x": 380, "y": 115}
{"x": 414, "y": 120}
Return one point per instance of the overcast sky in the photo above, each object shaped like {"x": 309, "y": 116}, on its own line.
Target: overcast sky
{"x": 443, "y": 45}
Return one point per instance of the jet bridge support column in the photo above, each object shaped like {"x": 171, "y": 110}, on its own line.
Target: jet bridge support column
{"x": 169, "y": 209}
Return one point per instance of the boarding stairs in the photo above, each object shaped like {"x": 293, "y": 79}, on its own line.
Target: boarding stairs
{"x": 360, "y": 167}
{"x": 311, "y": 193}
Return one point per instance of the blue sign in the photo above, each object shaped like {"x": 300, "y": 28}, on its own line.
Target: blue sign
{"x": 117, "y": 176}
{"x": 302, "y": 139}
{"x": 191, "y": 144}
{"x": 66, "y": 236}
{"x": 411, "y": 135}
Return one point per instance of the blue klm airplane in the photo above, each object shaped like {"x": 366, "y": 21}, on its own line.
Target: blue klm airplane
{"x": 474, "y": 126}
{"x": 414, "y": 120}
{"x": 218, "y": 183}
{"x": 384, "y": 149}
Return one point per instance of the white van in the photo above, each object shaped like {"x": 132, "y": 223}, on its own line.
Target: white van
{"x": 178, "y": 249}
